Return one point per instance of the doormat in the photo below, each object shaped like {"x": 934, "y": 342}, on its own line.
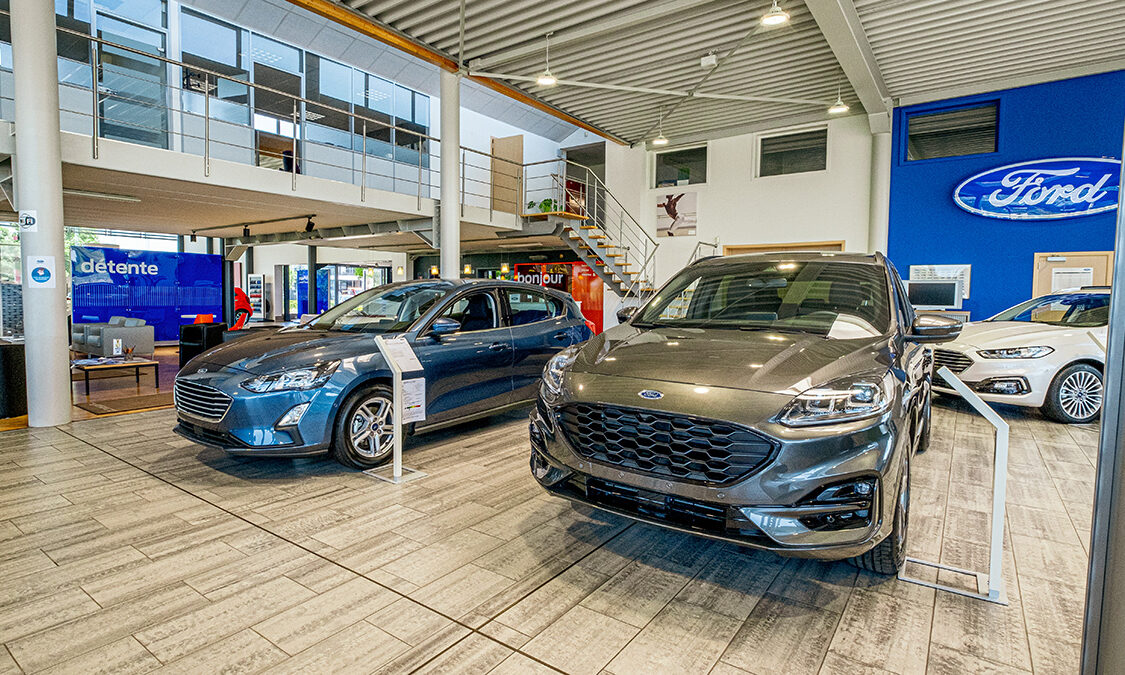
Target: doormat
{"x": 119, "y": 405}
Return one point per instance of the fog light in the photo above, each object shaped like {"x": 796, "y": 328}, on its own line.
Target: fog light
{"x": 293, "y": 417}
{"x": 841, "y": 506}
{"x": 1003, "y": 385}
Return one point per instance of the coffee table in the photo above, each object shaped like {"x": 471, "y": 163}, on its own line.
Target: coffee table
{"x": 122, "y": 364}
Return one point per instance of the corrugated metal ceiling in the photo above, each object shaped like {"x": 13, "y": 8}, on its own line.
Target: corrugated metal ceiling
{"x": 920, "y": 47}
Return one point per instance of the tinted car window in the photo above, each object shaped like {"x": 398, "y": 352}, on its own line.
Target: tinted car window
{"x": 1085, "y": 310}
{"x": 834, "y": 299}
{"x": 476, "y": 311}
{"x": 530, "y": 306}
{"x": 382, "y": 310}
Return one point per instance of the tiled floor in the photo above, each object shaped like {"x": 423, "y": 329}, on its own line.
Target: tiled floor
{"x": 124, "y": 548}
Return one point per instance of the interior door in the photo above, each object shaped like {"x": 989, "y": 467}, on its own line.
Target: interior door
{"x": 506, "y": 167}
{"x": 132, "y": 88}
{"x": 469, "y": 371}
{"x": 1058, "y": 271}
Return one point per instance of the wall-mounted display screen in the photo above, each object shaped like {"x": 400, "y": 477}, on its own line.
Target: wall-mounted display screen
{"x": 164, "y": 289}
{"x": 935, "y": 294}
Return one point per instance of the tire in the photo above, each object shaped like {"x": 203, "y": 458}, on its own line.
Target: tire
{"x": 363, "y": 437}
{"x": 1075, "y": 395}
{"x": 889, "y": 555}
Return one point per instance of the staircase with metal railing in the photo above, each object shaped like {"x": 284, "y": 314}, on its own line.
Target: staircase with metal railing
{"x": 593, "y": 223}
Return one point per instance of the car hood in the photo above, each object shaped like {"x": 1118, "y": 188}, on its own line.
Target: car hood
{"x": 271, "y": 351}
{"x": 761, "y": 360}
{"x": 1001, "y": 334}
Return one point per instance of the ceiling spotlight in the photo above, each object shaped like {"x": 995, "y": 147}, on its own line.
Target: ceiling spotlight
{"x": 468, "y": 268}
{"x": 839, "y": 106}
{"x": 775, "y": 16}
{"x": 504, "y": 269}
{"x": 434, "y": 270}
{"x": 245, "y": 230}
{"x": 546, "y": 78}
{"x": 660, "y": 140}
{"x": 309, "y": 224}
{"x": 193, "y": 237}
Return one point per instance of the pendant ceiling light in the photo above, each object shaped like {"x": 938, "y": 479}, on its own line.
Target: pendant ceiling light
{"x": 660, "y": 139}
{"x": 775, "y": 16}
{"x": 839, "y": 106}
{"x": 547, "y": 78}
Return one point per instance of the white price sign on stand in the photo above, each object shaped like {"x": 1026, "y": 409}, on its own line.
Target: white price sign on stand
{"x": 409, "y": 400}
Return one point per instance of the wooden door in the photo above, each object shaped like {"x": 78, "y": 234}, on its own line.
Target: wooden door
{"x": 1058, "y": 271}
{"x": 778, "y": 248}
{"x": 507, "y": 161}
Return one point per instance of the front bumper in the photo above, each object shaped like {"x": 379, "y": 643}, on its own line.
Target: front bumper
{"x": 771, "y": 508}
{"x": 1034, "y": 374}
{"x": 249, "y": 425}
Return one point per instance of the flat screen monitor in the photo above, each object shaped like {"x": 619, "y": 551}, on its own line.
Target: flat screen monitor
{"x": 935, "y": 293}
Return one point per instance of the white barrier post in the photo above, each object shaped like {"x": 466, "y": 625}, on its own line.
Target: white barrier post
{"x": 392, "y": 356}
{"x": 990, "y": 586}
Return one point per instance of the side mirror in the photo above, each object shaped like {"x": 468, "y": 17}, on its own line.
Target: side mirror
{"x": 932, "y": 328}
{"x": 443, "y": 325}
{"x": 626, "y": 313}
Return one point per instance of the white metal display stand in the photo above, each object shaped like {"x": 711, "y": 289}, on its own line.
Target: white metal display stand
{"x": 393, "y": 355}
{"x": 990, "y": 586}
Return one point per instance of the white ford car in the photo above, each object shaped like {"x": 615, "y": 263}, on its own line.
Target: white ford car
{"x": 1045, "y": 353}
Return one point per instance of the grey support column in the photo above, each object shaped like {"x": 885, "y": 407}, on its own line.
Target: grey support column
{"x": 312, "y": 280}
{"x": 179, "y": 243}
{"x": 38, "y": 177}
{"x": 450, "y": 219}
{"x": 1103, "y": 639}
{"x": 879, "y": 213}
{"x": 210, "y": 244}
{"x": 249, "y": 260}
{"x": 228, "y": 285}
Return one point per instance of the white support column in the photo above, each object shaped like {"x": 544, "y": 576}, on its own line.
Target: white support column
{"x": 450, "y": 221}
{"x": 878, "y": 227}
{"x": 38, "y": 168}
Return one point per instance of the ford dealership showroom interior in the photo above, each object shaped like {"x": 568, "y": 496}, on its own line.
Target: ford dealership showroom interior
{"x": 600, "y": 337}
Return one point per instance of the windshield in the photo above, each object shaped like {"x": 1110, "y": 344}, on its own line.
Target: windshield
{"x": 1081, "y": 310}
{"x": 386, "y": 309}
{"x": 832, "y": 299}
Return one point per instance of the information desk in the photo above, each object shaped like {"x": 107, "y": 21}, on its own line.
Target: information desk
{"x": 100, "y": 365}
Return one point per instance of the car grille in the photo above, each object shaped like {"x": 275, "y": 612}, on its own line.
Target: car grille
{"x": 663, "y": 444}
{"x": 205, "y": 436}
{"x": 955, "y": 361}
{"x": 200, "y": 400}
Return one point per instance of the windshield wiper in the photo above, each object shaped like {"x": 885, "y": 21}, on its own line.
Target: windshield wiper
{"x": 777, "y": 329}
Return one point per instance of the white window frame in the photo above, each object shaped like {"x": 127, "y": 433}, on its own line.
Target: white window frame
{"x": 789, "y": 131}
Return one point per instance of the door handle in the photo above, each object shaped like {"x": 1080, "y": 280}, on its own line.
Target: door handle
{"x": 499, "y": 346}
{"x": 561, "y": 335}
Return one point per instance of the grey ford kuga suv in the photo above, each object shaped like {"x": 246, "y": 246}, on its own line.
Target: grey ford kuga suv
{"x": 771, "y": 400}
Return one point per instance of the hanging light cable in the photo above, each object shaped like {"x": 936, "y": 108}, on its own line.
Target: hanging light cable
{"x": 546, "y": 78}
{"x": 839, "y": 106}
{"x": 661, "y": 139}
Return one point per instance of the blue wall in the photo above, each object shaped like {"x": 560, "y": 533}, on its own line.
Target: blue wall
{"x": 164, "y": 289}
{"x": 1082, "y": 117}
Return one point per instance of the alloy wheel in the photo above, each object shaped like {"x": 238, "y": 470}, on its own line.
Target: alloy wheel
{"x": 1080, "y": 394}
{"x": 371, "y": 429}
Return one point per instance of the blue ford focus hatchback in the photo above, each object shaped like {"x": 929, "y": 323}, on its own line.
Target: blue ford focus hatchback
{"x": 323, "y": 387}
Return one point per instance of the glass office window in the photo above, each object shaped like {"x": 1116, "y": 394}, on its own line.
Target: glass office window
{"x": 374, "y": 100}
{"x": 793, "y": 153}
{"x": 275, "y": 55}
{"x": 681, "y": 167}
{"x": 74, "y": 15}
{"x": 149, "y": 12}
{"x": 951, "y": 133}
{"x": 330, "y": 83}
{"x": 214, "y": 46}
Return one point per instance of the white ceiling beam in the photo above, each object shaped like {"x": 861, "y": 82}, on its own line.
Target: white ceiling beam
{"x": 840, "y": 25}
{"x": 611, "y": 24}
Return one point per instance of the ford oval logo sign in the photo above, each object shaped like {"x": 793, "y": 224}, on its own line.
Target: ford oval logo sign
{"x": 650, "y": 394}
{"x": 1043, "y": 189}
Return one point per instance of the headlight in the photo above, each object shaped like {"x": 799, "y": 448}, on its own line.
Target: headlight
{"x": 843, "y": 400}
{"x": 1016, "y": 353}
{"x": 292, "y": 380}
{"x": 556, "y": 367}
